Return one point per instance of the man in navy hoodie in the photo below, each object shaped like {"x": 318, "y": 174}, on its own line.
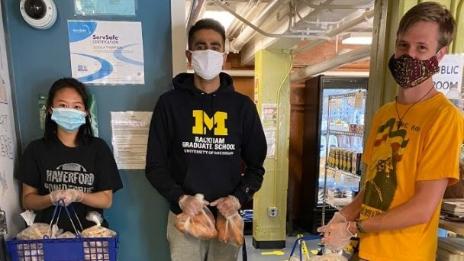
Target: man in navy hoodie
{"x": 200, "y": 132}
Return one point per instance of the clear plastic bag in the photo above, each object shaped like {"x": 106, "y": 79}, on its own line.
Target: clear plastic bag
{"x": 98, "y": 230}
{"x": 38, "y": 231}
{"x": 200, "y": 226}
{"x": 230, "y": 229}
{"x": 66, "y": 234}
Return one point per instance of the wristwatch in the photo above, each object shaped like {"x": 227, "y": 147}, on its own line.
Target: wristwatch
{"x": 359, "y": 227}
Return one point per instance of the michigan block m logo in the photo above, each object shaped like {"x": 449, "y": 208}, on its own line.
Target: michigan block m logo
{"x": 203, "y": 123}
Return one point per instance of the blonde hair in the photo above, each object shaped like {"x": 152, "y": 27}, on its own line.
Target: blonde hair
{"x": 431, "y": 12}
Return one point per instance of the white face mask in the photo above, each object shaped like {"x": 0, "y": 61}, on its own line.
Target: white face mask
{"x": 207, "y": 63}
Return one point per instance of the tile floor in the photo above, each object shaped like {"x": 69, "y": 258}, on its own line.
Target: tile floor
{"x": 260, "y": 254}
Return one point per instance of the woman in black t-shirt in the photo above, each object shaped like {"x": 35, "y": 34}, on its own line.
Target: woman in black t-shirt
{"x": 68, "y": 164}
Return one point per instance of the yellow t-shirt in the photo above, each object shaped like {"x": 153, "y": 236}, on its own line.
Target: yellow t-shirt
{"x": 425, "y": 147}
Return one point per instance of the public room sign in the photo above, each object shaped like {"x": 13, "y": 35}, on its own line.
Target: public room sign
{"x": 449, "y": 79}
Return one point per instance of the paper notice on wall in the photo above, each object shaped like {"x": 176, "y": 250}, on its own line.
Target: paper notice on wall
{"x": 269, "y": 118}
{"x": 104, "y": 7}
{"x": 269, "y": 113}
{"x": 130, "y": 137}
{"x": 270, "y": 134}
{"x": 9, "y": 189}
{"x": 448, "y": 80}
{"x": 106, "y": 52}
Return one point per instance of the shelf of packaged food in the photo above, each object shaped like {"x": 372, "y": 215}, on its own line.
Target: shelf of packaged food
{"x": 347, "y": 133}
{"x": 343, "y": 172}
{"x": 456, "y": 227}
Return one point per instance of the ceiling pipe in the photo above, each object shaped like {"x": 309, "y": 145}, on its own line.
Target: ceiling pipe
{"x": 316, "y": 10}
{"x": 301, "y": 35}
{"x": 246, "y": 34}
{"x": 342, "y": 28}
{"x": 323, "y": 6}
{"x": 195, "y": 10}
{"x": 247, "y": 11}
{"x": 339, "y": 60}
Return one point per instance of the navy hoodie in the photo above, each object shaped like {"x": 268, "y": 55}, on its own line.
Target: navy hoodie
{"x": 197, "y": 142}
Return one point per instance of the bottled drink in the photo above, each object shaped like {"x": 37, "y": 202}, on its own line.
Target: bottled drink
{"x": 349, "y": 161}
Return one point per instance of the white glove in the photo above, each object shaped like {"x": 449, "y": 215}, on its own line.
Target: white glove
{"x": 192, "y": 205}
{"x": 338, "y": 217}
{"x": 72, "y": 195}
{"x": 336, "y": 235}
{"x": 56, "y": 196}
{"x": 227, "y": 206}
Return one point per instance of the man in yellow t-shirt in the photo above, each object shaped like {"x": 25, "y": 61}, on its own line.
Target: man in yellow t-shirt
{"x": 412, "y": 151}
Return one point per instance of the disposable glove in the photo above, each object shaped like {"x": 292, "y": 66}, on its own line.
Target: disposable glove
{"x": 338, "y": 217}
{"x": 56, "y": 196}
{"x": 192, "y": 205}
{"x": 227, "y": 206}
{"x": 72, "y": 195}
{"x": 336, "y": 235}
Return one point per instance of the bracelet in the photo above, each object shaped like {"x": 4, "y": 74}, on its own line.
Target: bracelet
{"x": 359, "y": 227}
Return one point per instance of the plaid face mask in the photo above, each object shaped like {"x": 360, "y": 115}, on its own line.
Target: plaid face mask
{"x": 409, "y": 72}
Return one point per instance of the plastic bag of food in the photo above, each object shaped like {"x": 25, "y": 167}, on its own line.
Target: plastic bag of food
{"x": 38, "y": 231}
{"x": 66, "y": 234}
{"x": 98, "y": 230}
{"x": 200, "y": 226}
{"x": 230, "y": 229}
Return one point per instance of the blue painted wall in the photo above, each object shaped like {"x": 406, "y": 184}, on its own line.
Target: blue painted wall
{"x": 38, "y": 58}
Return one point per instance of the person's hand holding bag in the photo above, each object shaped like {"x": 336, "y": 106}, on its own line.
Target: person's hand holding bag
{"x": 72, "y": 195}
{"x": 56, "y": 196}
{"x": 227, "y": 206}
{"x": 192, "y": 205}
{"x": 199, "y": 225}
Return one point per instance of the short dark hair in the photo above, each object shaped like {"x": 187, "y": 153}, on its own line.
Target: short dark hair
{"x": 85, "y": 131}
{"x": 431, "y": 12}
{"x": 206, "y": 23}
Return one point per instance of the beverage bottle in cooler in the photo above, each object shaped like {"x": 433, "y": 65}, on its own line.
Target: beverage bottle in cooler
{"x": 343, "y": 165}
{"x": 331, "y": 158}
{"x": 349, "y": 161}
{"x": 340, "y": 159}
{"x": 358, "y": 163}
{"x": 353, "y": 162}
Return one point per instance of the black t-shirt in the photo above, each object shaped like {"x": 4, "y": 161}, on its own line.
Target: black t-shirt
{"x": 50, "y": 165}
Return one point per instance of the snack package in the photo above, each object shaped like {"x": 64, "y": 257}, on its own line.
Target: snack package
{"x": 200, "y": 226}
{"x": 230, "y": 229}
{"x": 97, "y": 230}
{"x": 66, "y": 234}
{"x": 39, "y": 231}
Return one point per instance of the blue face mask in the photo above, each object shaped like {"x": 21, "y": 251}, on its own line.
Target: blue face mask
{"x": 68, "y": 119}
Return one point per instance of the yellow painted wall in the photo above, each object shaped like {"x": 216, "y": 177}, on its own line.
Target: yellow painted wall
{"x": 272, "y": 86}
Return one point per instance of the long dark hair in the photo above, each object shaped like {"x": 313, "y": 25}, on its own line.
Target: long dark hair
{"x": 85, "y": 131}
